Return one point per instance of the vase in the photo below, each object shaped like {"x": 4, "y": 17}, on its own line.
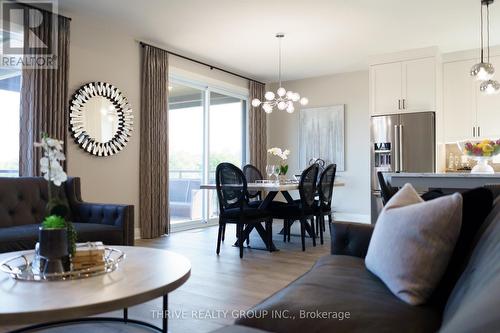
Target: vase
{"x": 282, "y": 179}
{"x": 482, "y": 166}
{"x": 53, "y": 250}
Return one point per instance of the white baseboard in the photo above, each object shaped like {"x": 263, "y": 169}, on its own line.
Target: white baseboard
{"x": 351, "y": 217}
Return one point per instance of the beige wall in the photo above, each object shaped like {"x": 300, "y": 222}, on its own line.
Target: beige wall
{"x": 99, "y": 53}
{"x": 352, "y": 202}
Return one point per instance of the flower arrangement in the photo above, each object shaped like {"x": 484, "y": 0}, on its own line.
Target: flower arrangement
{"x": 50, "y": 163}
{"x": 485, "y": 148}
{"x": 283, "y": 155}
{"x": 53, "y": 172}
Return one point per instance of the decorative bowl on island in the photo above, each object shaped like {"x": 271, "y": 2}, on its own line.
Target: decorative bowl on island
{"x": 482, "y": 152}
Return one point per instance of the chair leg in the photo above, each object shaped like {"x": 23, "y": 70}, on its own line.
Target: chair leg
{"x": 330, "y": 223}
{"x": 284, "y": 230}
{"x": 322, "y": 224}
{"x": 269, "y": 229}
{"x": 223, "y": 231}
{"x": 219, "y": 236}
{"x": 240, "y": 238}
{"x": 313, "y": 232}
{"x": 303, "y": 233}
{"x": 316, "y": 218}
{"x": 289, "y": 229}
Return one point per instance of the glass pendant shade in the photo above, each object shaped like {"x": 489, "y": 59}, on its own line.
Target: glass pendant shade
{"x": 304, "y": 101}
{"x": 482, "y": 71}
{"x": 255, "y": 102}
{"x": 281, "y": 91}
{"x": 490, "y": 87}
{"x": 269, "y": 95}
{"x": 267, "y": 108}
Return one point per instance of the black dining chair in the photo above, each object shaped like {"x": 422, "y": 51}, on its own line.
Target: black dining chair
{"x": 386, "y": 190}
{"x": 252, "y": 175}
{"x": 324, "y": 205}
{"x": 301, "y": 210}
{"x": 233, "y": 205}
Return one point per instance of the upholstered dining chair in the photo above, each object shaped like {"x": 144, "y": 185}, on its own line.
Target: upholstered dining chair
{"x": 233, "y": 204}
{"x": 301, "y": 210}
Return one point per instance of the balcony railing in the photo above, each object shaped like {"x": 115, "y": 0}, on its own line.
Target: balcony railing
{"x": 9, "y": 173}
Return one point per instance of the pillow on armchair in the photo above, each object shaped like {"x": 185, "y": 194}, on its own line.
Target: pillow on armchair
{"x": 412, "y": 243}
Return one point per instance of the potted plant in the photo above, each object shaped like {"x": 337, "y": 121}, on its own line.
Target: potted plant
{"x": 57, "y": 236}
{"x": 282, "y": 168}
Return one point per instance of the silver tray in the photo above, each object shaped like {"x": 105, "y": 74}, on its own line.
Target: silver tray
{"x": 26, "y": 267}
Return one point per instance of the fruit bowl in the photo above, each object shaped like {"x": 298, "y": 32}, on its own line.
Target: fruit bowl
{"x": 482, "y": 152}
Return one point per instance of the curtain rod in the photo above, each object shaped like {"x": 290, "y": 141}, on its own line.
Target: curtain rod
{"x": 42, "y": 9}
{"x": 201, "y": 63}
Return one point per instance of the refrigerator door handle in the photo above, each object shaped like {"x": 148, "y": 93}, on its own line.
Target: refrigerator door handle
{"x": 401, "y": 157}
{"x": 396, "y": 149}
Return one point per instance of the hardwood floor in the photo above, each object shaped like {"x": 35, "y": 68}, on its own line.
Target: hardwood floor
{"x": 226, "y": 282}
{"x": 221, "y": 285}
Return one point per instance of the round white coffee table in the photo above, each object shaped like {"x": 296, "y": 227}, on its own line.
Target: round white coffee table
{"x": 144, "y": 274}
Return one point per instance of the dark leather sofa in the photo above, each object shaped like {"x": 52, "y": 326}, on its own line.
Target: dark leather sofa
{"x": 22, "y": 208}
{"x": 341, "y": 283}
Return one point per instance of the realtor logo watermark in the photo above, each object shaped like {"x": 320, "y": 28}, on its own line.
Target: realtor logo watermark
{"x": 29, "y": 35}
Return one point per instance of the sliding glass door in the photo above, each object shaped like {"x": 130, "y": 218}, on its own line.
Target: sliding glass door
{"x": 207, "y": 126}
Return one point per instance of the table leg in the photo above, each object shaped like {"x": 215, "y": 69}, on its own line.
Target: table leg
{"x": 268, "y": 199}
{"x": 165, "y": 314}
{"x": 125, "y": 315}
{"x": 287, "y": 196}
{"x": 264, "y": 234}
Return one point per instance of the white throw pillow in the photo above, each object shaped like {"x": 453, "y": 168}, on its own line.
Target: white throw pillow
{"x": 413, "y": 241}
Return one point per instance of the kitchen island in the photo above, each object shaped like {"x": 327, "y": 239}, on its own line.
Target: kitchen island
{"x": 451, "y": 180}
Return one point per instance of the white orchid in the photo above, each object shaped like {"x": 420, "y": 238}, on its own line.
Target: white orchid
{"x": 50, "y": 163}
{"x": 283, "y": 154}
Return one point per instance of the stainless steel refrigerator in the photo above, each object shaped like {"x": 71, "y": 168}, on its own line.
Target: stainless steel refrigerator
{"x": 400, "y": 143}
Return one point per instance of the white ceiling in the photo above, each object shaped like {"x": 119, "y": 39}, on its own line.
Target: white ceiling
{"x": 322, "y": 36}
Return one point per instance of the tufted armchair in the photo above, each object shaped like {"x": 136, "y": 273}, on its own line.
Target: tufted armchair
{"x": 22, "y": 209}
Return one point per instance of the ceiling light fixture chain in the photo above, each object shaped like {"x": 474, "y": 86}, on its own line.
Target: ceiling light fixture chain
{"x": 484, "y": 70}
{"x": 283, "y": 99}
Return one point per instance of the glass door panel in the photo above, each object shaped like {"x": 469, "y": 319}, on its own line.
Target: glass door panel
{"x": 226, "y": 138}
{"x": 185, "y": 131}
{"x": 10, "y": 86}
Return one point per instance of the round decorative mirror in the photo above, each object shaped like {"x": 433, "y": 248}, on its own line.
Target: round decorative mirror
{"x": 100, "y": 119}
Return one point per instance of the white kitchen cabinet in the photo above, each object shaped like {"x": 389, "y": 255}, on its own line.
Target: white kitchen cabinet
{"x": 468, "y": 113}
{"x": 488, "y": 108}
{"x": 386, "y": 88}
{"x": 419, "y": 85}
{"x": 459, "y": 101}
{"x": 403, "y": 87}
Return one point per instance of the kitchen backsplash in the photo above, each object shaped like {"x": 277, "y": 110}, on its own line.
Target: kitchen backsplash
{"x": 464, "y": 163}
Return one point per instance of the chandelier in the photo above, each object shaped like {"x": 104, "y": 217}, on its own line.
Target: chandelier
{"x": 484, "y": 71}
{"x": 282, "y": 99}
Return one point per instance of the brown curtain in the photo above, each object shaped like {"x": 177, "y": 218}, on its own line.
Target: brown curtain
{"x": 44, "y": 97}
{"x": 154, "y": 214}
{"x": 257, "y": 129}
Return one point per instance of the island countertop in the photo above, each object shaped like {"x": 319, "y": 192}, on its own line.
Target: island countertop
{"x": 455, "y": 180}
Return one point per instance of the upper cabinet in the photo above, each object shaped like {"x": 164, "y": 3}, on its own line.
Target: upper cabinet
{"x": 488, "y": 108}
{"x": 468, "y": 113}
{"x": 403, "y": 86}
{"x": 419, "y": 85}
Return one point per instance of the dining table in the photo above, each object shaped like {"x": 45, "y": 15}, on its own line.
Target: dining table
{"x": 271, "y": 189}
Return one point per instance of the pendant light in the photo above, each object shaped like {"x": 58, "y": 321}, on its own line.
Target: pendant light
{"x": 484, "y": 71}
{"x": 282, "y": 99}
